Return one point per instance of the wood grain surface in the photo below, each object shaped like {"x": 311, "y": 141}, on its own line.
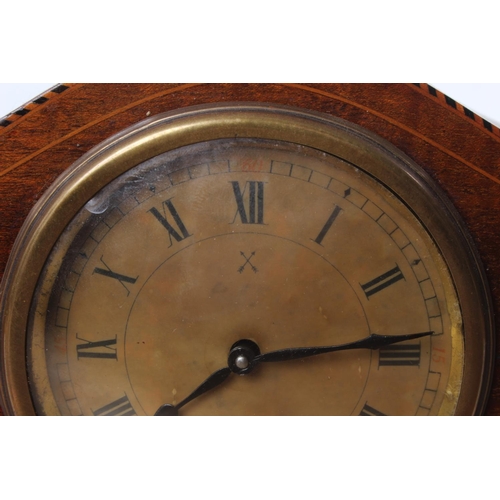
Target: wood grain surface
{"x": 459, "y": 150}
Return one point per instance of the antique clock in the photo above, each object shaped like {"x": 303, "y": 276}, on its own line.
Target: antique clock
{"x": 248, "y": 250}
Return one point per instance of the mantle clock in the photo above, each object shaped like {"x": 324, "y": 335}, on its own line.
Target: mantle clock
{"x": 311, "y": 249}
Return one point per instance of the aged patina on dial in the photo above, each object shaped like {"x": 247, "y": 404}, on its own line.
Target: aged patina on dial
{"x": 202, "y": 246}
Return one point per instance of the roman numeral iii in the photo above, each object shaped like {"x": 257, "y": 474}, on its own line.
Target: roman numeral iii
{"x": 399, "y": 355}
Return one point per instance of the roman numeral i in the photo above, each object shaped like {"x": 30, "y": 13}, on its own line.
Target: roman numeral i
{"x": 331, "y": 219}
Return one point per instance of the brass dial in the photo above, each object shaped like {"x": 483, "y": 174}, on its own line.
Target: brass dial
{"x": 196, "y": 232}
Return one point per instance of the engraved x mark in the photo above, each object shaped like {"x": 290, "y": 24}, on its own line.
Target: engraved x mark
{"x": 247, "y": 259}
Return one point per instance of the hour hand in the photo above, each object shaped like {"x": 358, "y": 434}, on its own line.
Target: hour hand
{"x": 210, "y": 383}
{"x": 239, "y": 361}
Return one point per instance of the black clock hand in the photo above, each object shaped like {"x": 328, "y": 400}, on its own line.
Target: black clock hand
{"x": 210, "y": 383}
{"x": 240, "y": 357}
{"x": 245, "y": 355}
{"x": 373, "y": 341}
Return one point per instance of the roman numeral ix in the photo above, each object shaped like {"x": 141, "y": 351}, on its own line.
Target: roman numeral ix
{"x": 121, "y": 407}
{"x": 100, "y": 350}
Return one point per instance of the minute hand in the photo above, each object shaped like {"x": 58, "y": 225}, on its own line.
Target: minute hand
{"x": 373, "y": 341}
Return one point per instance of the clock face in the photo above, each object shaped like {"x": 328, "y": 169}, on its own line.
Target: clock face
{"x": 262, "y": 240}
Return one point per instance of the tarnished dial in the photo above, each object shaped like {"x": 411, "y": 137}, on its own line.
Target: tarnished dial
{"x": 203, "y": 247}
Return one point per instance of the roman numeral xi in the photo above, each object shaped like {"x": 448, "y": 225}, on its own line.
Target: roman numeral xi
{"x": 178, "y": 234}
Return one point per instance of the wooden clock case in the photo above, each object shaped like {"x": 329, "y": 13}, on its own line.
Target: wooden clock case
{"x": 457, "y": 148}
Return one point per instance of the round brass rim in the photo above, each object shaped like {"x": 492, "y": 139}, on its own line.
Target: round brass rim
{"x": 169, "y": 131}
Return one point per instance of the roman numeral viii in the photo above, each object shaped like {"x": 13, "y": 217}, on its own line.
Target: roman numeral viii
{"x": 399, "y": 355}
{"x": 182, "y": 232}
{"x": 254, "y": 212}
{"x": 383, "y": 281}
{"x": 121, "y": 407}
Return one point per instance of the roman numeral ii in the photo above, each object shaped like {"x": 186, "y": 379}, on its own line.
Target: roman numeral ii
{"x": 382, "y": 282}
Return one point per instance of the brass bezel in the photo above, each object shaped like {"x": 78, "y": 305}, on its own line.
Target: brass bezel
{"x": 187, "y": 126}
